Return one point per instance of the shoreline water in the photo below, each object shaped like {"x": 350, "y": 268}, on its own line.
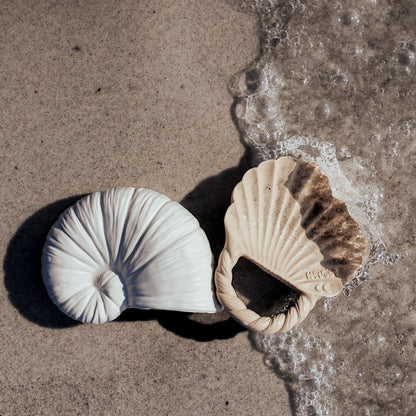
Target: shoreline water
{"x": 334, "y": 71}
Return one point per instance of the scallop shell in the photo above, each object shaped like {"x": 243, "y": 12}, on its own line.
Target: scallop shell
{"x": 284, "y": 219}
{"x": 127, "y": 248}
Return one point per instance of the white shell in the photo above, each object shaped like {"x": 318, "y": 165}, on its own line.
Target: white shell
{"x": 127, "y": 248}
{"x": 284, "y": 218}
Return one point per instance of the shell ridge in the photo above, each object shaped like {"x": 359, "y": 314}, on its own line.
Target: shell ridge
{"x": 146, "y": 261}
{"x": 123, "y": 235}
{"x": 244, "y": 198}
{"x": 272, "y": 202}
{"x": 274, "y": 242}
{"x": 167, "y": 262}
{"x": 113, "y": 295}
{"x": 286, "y": 247}
{"x": 289, "y": 203}
{"x": 145, "y": 234}
{"x": 85, "y": 229}
{"x": 98, "y": 301}
{"x": 331, "y": 223}
{"x": 114, "y": 211}
{"x": 300, "y": 243}
{"x": 106, "y": 278}
{"x": 293, "y": 244}
{"x": 71, "y": 305}
{"x": 276, "y": 249}
{"x": 99, "y": 223}
{"x": 316, "y": 217}
{"x": 54, "y": 252}
{"x": 142, "y": 200}
{"x": 67, "y": 278}
{"x": 103, "y": 210}
{"x": 307, "y": 212}
{"x": 152, "y": 229}
{"x": 324, "y": 240}
{"x": 313, "y": 256}
{"x": 236, "y": 213}
{"x": 260, "y": 208}
{"x": 76, "y": 246}
{"x": 302, "y": 194}
{"x": 73, "y": 267}
{"x": 142, "y": 203}
{"x": 76, "y": 294}
{"x": 111, "y": 300}
{"x": 95, "y": 306}
{"x": 117, "y": 212}
{"x": 286, "y": 280}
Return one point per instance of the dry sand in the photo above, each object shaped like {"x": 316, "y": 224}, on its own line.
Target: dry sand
{"x": 120, "y": 93}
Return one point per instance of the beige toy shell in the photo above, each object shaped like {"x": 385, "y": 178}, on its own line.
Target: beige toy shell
{"x": 284, "y": 219}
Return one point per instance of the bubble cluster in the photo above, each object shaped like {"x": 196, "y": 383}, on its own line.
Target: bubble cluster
{"x": 305, "y": 363}
{"x": 256, "y": 108}
{"x": 343, "y": 70}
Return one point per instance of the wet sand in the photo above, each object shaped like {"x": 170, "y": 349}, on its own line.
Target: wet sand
{"x": 122, "y": 94}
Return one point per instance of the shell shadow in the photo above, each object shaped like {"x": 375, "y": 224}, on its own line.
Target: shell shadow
{"x": 199, "y": 327}
{"x": 208, "y": 202}
{"x": 261, "y": 292}
{"x": 22, "y": 268}
{"x": 26, "y": 291}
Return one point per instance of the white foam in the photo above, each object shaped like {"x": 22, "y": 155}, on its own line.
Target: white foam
{"x": 329, "y": 89}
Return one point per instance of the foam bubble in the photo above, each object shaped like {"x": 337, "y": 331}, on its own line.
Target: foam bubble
{"x": 291, "y": 358}
{"x": 405, "y": 57}
{"x": 349, "y": 18}
{"x": 334, "y": 85}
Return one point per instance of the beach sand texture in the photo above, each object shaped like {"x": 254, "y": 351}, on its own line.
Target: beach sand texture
{"x": 127, "y": 93}
{"x": 99, "y": 96}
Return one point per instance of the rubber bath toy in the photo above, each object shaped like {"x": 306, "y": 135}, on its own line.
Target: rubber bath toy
{"x": 284, "y": 219}
{"x": 127, "y": 248}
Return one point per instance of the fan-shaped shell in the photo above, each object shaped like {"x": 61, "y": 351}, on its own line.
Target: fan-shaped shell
{"x": 127, "y": 248}
{"x": 284, "y": 218}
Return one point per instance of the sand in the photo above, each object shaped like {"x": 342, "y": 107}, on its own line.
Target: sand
{"x": 120, "y": 93}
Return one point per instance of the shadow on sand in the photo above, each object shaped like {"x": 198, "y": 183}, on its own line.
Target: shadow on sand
{"x": 22, "y": 268}
{"x": 22, "y": 265}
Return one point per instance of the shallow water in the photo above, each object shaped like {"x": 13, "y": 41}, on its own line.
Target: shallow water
{"x": 334, "y": 84}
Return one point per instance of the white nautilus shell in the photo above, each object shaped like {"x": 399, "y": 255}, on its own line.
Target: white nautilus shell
{"x": 284, "y": 219}
{"x": 127, "y": 248}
